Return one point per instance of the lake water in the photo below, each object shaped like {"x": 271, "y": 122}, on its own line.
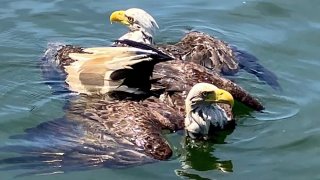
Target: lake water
{"x": 283, "y": 142}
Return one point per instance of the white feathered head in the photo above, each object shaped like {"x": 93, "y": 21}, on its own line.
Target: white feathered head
{"x": 137, "y": 20}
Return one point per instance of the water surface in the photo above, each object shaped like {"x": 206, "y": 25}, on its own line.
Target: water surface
{"x": 283, "y": 142}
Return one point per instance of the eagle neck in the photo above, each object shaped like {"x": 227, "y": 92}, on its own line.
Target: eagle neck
{"x": 202, "y": 116}
{"x": 139, "y": 36}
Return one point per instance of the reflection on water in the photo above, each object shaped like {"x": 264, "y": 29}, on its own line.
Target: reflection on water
{"x": 199, "y": 156}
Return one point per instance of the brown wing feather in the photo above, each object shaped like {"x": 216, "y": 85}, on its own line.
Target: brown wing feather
{"x": 137, "y": 122}
{"x": 62, "y": 58}
{"x": 205, "y": 50}
{"x": 217, "y": 55}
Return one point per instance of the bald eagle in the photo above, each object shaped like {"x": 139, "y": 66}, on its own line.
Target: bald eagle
{"x": 126, "y": 96}
{"x": 197, "y": 47}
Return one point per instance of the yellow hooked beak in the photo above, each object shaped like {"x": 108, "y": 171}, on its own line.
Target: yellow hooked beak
{"x": 221, "y": 96}
{"x": 120, "y": 17}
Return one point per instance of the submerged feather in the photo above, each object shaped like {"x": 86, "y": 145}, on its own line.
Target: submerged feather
{"x": 250, "y": 64}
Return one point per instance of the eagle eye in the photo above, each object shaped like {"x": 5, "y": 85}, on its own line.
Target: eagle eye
{"x": 130, "y": 19}
{"x": 205, "y": 94}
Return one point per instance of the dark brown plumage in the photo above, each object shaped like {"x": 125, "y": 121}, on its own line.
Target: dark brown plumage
{"x": 218, "y": 56}
{"x": 205, "y": 50}
{"x": 139, "y": 122}
{"x": 178, "y": 77}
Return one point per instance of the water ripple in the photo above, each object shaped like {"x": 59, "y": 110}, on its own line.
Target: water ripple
{"x": 278, "y": 108}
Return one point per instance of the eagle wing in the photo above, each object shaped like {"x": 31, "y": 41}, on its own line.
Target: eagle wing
{"x": 141, "y": 122}
{"x": 94, "y": 133}
{"x": 217, "y": 55}
{"x": 102, "y": 70}
{"x": 97, "y": 132}
{"x": 178, "y": 77}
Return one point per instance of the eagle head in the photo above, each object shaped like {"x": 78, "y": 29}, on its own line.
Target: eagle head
{"x": 203, "y": 110}
{"x": 141, "y": 24}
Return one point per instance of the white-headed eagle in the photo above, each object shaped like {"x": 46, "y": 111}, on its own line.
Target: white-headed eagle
{"x": 197, "y": 47}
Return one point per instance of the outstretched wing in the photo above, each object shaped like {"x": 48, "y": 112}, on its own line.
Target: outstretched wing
{"x": 218, "y": 56}
{"x": 63, "y": 145}
{"x": 102, "y": 70}
{"x": 131, "y": 120}
{"x": 96, "y": 133}
{"x": 178, "y": 77}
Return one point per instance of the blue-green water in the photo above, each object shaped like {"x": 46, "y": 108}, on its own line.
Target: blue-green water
{"x": 283, "y": 142}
